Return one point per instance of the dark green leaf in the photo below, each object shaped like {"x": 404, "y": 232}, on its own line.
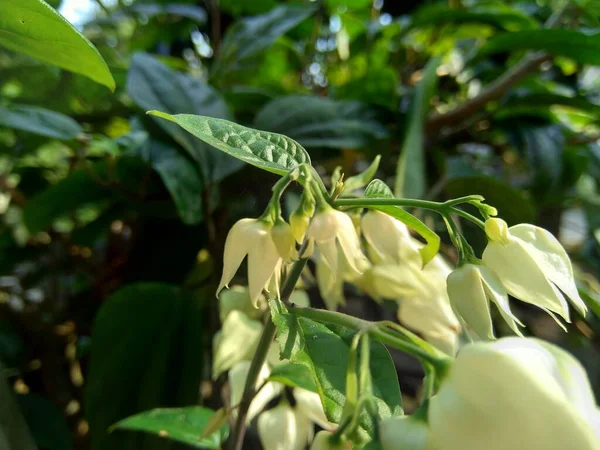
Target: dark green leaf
{"x": 324, "y": 350}
{"x": 410, "y": 174}
{"x": 144, "y": 355}
{"x": 39, "y": 121}
{"x": 46, "y": 422}
{"x": 180, "y": 424}
{"x": 268, "y": 151}
{"x": 33, "y": 27}
{"x": 251, "y": 36}
{"x": 578, "y": 46}
{"x": 180, "y": 176}
{"x": 14, "y": 434}
{"x": 293, "y": 375}
{"x": 321, "y": 121}
{"x": 496, "y": 15}
{"x": 152, "y": 85}
{"x": 11, "y": 343}
{"x": 378, "y": 189}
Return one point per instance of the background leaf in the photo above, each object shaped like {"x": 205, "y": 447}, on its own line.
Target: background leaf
{"x": 125, "y": 378}
{"x": 14, "y": 434}
{"x": 33, "y": 27}
{"x": 39, "y": 121}
{"x": 181, "y": 424}
{"x": 321, "y": 122}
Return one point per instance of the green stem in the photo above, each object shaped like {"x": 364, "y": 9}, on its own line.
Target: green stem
{"x": 443, "y": 208}
{"x": 260, "y": 356}
{"x": 354, "y": 323}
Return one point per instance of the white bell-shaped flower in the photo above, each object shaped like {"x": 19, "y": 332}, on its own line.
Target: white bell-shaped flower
{"x": 309, "y": 404}
{"x": 324, "y": 441}
{"x": 471, "y": 288}
{"x": 237, "y": 381}
{"x": 282, "y": 428}
{"x": 235, "y": 342}
{"x": 252, "y": 238}
{"x": 403, "y": 433}
{"x": 333, "y": 231}
{"x": 514, "y": 393}
{"x": 532, "y": 266}
{"x": 237, "y": 298}
{"x": 388, "y": 238}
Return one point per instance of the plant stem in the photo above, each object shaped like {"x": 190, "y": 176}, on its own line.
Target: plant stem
{"x": 443, "y": 208}
{"x": 261, "y": 355}
{"x": 354, "y": 323}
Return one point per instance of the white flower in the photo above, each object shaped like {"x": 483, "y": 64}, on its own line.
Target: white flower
{"x": 388, "y": 238}
{"x": 235, "y": 342}
{"x": 331, "y": 285}
{"x": 471, "y": 288}
{"x": 403, "y": 433}
{"x": 309, "y": 404}
{"x": 251, "y": 237}
{"x": 331, "y": 228}
{"x": 283, "y": 428}
{"x": 237, "y": 381}
{"x": 284, "y": 241}
{"x": 517, "y": 394}
{"x": 532, "y": 266}
{"x": 237, "y": 298}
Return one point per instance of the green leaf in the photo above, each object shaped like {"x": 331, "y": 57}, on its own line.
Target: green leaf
{"x": 246, "y": 7}
{"x": 362, "y": 179}
{"x": 578, "y": 46}
{"x": 268, "y": 151}
{"x": 378, "y": 189}
{"x": 46, "y": 422}
{"x": 321, "y": 122}
{"x": 14, "y": 434}
{"x": 410, "y": 173}
{"x": 180, "y": 424}
{"x": 125, "y": 378}
{"x": 33, "y": 27}
{"x": 544, "y": 100}
{"x": 351, "y": 4}
{"x": 293, "y": 375}
{"x": 192, "y": 12}
{"x": 324, "y": 350}
{"x": 39, "y": 121}
{"x": 249, "y": 37}
{"x": 180, "y": 176}
{"x": 497, "y": 15}
{"x": 152, "y": 85}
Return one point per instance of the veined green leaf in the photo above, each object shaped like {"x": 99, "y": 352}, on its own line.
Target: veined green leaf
{"x": 410, "y": 174}
{"x": 378, "y": 189}
{"x": 33, "y": 27}
{"x": 179, "y": 424}
{"x": 268, "y": 151}
{"x": 324, "y": 350}
{"x": 578, "y": 46}
{"x": 293, "y": 375}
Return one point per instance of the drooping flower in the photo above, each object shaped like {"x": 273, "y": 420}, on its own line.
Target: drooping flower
{"x": 237, "y": 382}
{"x": 471, "y": 288}
{"x": 532, "y": 266}
{"x": 283, "y": 238}
{"x": 404, "y": 433}
{"x": 514, "y": 393}
{"x": 238, "y": 298}
{"x": 333, "y": 232}
{"x": 388, "y": 238}
{"x": 324, "y": 441}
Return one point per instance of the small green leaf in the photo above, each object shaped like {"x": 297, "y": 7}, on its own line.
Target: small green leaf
{"x": 39, "y": 121}
{"x": 576, "y": 45}
{"x": 362, "y": 179}
{"x": 321, "y": 122}
{"x": 410, "y": 174}
{"x": 268, "y": 151}
{"x": 378, "y": 189}
{"x": 324, "y": 351}
{"x": 33, "y": 27}
{"x": 179, "y": 424}
{"x": 14, "y": 434}
{"x": 293, "y": 375}
{"x": 46, "y": 421}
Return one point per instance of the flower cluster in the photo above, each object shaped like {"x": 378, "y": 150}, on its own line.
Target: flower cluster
{"x": 524, "y": 261}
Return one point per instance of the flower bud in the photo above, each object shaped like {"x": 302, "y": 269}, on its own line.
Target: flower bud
{"x": 497, "y": 230}
{"x": 283, "y": 238}
{"x": 323, "y": 441}
{"x": 299, "y": 223}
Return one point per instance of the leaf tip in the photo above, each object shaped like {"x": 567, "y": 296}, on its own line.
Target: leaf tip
{"x": 160, "y": 114}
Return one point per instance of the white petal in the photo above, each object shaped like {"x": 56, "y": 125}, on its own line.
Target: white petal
{"x": 277, "y": 428}
{"x": 262, "y": 261}
{"x": 330, "y": 286}
{"x": 469, "y": 299}
{"x": 350, "y": 246}
{"x": 522, "y": 277}
{"x": 329, "y": 253}
{"x": 237, "y": 381}
{"x": 552, "y": 258}
{"x": 309, "y": 403}
{"x": 237, "y": 246}
{"x": 497, "y": 294}
{"x": 404, "y": 433}
{"x": 305, "y": 430}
